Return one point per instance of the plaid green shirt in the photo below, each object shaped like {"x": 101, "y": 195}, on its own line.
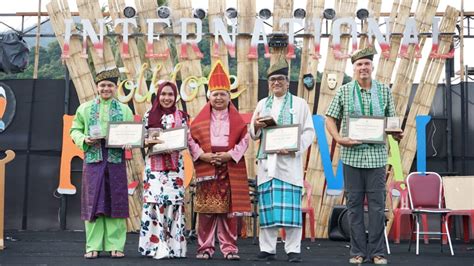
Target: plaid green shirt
{"x": 367, "y": 155}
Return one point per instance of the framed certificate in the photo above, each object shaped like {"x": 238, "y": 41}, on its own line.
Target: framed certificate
{"x": 285, "y": 137}
{"x": 366, "y": 129}
{"x": 124, "y": 133}
{"x": 174, "y": 139}
{"x": 393, "y": 125}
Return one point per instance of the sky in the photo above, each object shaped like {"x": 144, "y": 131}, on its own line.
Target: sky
{"x": 32, "y": 6}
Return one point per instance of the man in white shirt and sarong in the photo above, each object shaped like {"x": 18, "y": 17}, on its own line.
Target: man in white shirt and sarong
{"x": 280, "y": 174}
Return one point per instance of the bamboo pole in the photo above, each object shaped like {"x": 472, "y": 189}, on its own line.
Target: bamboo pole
{"x": 247, "y": 76}
{"x": 133, "y": 63}
{"x": 90, "y": 9}
{"x": 147, "y": 10}
{"x": 407, "y": 67}
{"x": 192, "y": 65}
{"x": 315, "y": 173}
{"x": 374, "y": 9}
{"x": 398, "y": 18}
{"x": 216, "y": 10}
{"x": 78, "y": 68}
{"x": 38, "y": 33}
{"x": 426, "y": 89}
{"x": 309, "y": 64}
{"x": 281, "y": 9}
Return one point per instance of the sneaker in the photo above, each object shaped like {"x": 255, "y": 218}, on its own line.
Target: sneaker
{"x": 265, "y": 256}
{"x": 380, "y": 260}
{"x": 356, "y": 260}
{"x": 294, "y": 257}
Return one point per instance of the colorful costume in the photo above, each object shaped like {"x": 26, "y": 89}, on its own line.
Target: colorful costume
{"x": 222, "y": 191}
{"x": 163, "y": 224}
{"x": 104, "y": 199}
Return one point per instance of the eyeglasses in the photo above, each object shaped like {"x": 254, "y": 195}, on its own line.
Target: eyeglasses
{"x": 277, "y": 78}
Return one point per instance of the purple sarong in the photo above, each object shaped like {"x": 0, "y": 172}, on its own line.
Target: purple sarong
{"x": 104, "y": 189}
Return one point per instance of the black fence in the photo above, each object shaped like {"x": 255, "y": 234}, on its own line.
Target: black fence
{"x": 35, "y": 134}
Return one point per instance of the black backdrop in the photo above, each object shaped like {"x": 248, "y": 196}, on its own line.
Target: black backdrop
{"x": 35, "y": 134}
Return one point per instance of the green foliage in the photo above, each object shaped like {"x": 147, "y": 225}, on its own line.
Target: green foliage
{"x": 49, "y": 67}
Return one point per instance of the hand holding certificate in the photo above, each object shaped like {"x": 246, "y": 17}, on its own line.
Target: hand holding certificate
{"x": 366, "y": 129}
{"x": 280, "y": 138}
{"x": 174, "y": 139}
{"x": 393, "y": 125}
{"x": 121, "y": 134}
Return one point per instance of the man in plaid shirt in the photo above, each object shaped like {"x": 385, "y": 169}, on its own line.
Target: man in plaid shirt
{"x": 364, "y": 164}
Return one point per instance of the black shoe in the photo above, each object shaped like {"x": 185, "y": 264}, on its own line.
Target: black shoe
{"x": 265, "y": 256}
{"x": 294, "y": 257}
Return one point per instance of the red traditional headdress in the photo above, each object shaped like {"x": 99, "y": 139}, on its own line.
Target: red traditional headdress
{"x": 218, "y": 78}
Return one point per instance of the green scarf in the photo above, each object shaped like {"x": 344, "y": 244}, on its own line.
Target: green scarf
{"x": 285, "y": 116}
{"x": 94, "y": 153}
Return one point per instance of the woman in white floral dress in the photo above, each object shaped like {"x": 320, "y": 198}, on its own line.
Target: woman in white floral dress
{"x": 163, "y": 224}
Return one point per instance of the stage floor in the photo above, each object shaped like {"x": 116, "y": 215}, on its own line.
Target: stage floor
{"x": 67, "y": 248}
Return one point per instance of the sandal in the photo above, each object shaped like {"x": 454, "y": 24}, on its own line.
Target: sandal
{"x": 117, "y": 254}
{"x": 203, "y": 256}
{"x": 356, "y": 260}
{"x": 232, "y": 256}
{"x": 91, "y": 255}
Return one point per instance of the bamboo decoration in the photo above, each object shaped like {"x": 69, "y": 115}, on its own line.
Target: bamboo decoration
{"x": 315, "y": 174}
{"x": 78, "y": 68}
{"x": 281, "y": 9}
{"x": 37, "y": 47}
{"x": 247, "y": 76}
{"x": 309, "y": 60}
{"x": 374, "y": 9}
{"x": 90, "y": 9}
{"x": 133, "y": 63}
{"x": 398, "y": 18}
{"x": 192, "y": 65}
{"x": 147, "y": 9}
{"x": 216, "y": 10}
{"x": 427, "y": 87}
{"x": 407, "y": 67}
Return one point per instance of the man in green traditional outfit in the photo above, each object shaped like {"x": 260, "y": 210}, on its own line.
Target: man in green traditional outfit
{"x": 104, "y": 199}
{"x": 364, "y": 163}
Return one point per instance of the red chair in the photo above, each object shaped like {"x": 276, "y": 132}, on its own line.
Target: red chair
{"x": 425, "y": 191}
{"x": 307, "y": 210}
{"x": 467, "y": 215}
{"x": 399, "y": 189}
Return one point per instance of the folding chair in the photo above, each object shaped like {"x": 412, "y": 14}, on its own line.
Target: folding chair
{"x": 425, "y": 191}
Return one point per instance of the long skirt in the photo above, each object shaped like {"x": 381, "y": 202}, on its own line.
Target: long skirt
{"x": 163, "y": 224}
{"x": 104, "y": 189}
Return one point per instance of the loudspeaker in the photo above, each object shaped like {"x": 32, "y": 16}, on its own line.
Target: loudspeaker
{"x": 339, "y": 224}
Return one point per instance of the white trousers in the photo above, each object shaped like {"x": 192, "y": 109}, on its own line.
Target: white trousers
{"x": 268, "y": 239}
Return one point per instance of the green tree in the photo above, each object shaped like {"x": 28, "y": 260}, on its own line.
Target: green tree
{"x": 49, "y": 67}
